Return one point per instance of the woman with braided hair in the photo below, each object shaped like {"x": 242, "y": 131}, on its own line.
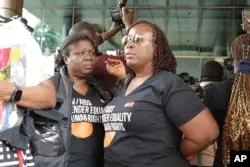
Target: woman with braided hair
{"x": 229, "y": 102}
{"x": 146, "y": 121}
{"x": 236, "y": 131}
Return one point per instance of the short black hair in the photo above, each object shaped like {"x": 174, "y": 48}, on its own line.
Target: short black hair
{"x": 212, "y": 71}
{"x": 65, "y": 48}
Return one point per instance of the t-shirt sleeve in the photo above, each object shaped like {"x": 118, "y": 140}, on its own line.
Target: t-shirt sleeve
{"x": 180, "y": 102}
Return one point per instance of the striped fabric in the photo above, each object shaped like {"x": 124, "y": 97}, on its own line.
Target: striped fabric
{"x": 8, "y": 157}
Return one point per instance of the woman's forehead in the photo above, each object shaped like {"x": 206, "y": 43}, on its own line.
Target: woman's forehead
{"x": 82, "y": 44}
{"x": 141, "y": 29}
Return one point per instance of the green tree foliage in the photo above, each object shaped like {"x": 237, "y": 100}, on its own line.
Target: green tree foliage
{"x": 47, "y": 37}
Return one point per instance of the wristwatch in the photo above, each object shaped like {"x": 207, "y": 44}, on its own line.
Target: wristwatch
{"x": 17, "y": 94}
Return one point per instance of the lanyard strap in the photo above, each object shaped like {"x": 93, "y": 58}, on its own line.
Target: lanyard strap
{"x": 20, "y": 157}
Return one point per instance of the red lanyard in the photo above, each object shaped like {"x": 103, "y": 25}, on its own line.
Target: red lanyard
{"x": 20, "y": 157}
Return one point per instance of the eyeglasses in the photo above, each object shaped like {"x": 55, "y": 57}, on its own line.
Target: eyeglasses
{"x": 135, "y": 38}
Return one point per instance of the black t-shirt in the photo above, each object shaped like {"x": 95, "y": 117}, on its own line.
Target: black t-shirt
{"x": 217, "y": 99}
{"x": 142, "y": 127}
{"x": 86, "y": 146}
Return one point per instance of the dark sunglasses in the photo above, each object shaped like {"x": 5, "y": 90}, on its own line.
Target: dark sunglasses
{"x": 135, "y": 38}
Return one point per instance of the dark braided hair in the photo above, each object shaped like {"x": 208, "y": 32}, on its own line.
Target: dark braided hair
{"x": 65, "y": 48}
{"x": 236, "y": 130}
{"x": 163, "y": 56}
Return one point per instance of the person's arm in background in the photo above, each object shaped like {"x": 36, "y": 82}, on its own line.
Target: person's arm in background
{"x": 128, "y": 18}
{"x": 114, "y": 29}
{"x": 41, "y": 96}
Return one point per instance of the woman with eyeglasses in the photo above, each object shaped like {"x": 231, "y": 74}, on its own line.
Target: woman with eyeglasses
{"x": 145, "y": 122}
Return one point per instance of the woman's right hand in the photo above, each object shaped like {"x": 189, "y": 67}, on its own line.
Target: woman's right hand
{"x": 116, "y": 68}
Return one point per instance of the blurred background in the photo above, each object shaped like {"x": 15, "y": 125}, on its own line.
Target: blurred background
{"x": 197, "y": 30}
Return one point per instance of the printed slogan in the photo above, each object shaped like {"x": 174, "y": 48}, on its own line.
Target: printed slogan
{"x": 84, "y": 111}
{"x": 115, "y": 121}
